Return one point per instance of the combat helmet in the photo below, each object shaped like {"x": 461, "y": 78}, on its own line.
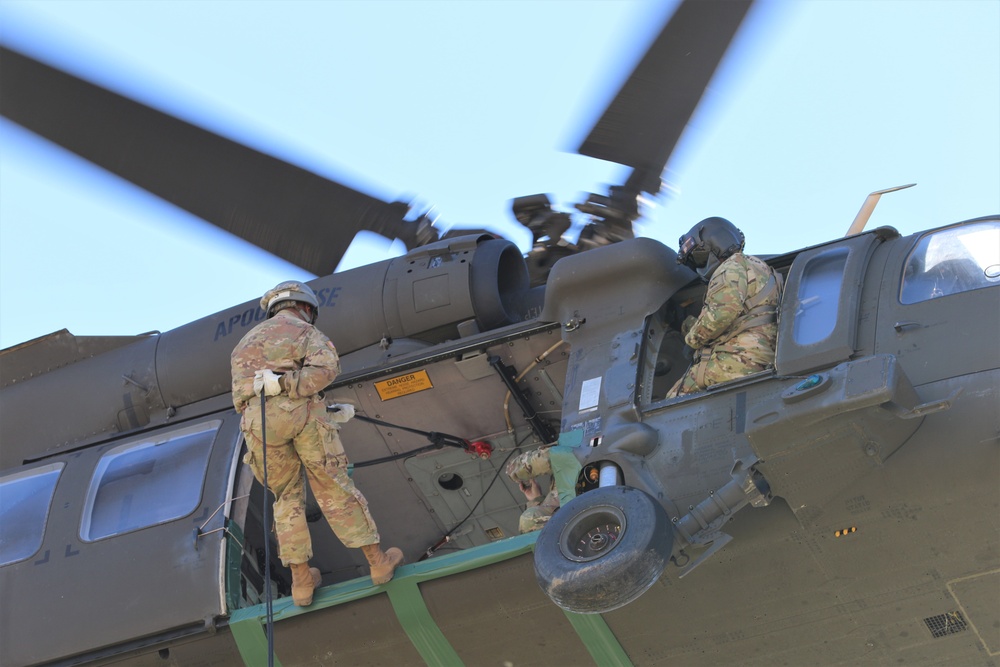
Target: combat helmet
{"x": 708, "y": 243}
{"x": 286, "y": 295}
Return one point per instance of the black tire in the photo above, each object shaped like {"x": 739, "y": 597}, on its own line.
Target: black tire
{"x": 603, "y": 549}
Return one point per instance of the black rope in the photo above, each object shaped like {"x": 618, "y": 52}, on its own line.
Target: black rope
{"x": 444, "y": 539}
{"x": 438, "y": 440}
{"x": 267, "y": 538}
{"x": 435, "y": 437}
{"x": 396, "y": 457}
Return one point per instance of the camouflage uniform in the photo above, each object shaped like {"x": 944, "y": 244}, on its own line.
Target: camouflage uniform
{"x": 300, "y": 434}
{"x": 735, "y": 333}
{"x": 522, "y": 469}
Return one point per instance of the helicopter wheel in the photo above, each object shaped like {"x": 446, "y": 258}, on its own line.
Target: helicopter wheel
{"x": 603, "y": 549}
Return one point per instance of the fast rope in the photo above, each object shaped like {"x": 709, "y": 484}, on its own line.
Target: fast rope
{"x": 447, "y": 536}
{"x": 269, "y": 605}
{"x": 520, "y": 376}
{"x": 437, "y": 440}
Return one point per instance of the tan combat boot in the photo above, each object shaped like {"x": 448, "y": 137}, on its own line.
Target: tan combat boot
{"x": 305, "y": 580}
{"x": 383, "y": 563}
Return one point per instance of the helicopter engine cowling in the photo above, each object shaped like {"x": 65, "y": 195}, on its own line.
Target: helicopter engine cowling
{"x": 424, "y": 295}
{"x": 435, "y": 293}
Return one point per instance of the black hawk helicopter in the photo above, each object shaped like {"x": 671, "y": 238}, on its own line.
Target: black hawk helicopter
{"x": 838, "y": 508}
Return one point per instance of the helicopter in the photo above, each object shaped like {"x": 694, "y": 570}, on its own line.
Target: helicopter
{"x": 857, "y": 113}
{"x": 804, "y": 514}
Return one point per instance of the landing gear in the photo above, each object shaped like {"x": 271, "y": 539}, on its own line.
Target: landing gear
{"x": 603, "y": 549}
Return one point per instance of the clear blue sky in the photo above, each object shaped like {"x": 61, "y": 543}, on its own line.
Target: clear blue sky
{"x": 466, "y": 105}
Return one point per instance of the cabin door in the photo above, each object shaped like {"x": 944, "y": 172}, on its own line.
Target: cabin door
{"x": 127, "y": 557}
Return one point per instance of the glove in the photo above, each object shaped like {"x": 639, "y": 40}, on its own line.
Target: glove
{"x": 340, "y": 412}
{"x": 268, "y": 381}
{"x": 687, "y": 324}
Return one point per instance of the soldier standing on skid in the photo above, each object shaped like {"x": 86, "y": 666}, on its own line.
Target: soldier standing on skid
{"x": 292, "y": 361}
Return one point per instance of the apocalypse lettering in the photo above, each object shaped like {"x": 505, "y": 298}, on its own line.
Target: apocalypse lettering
{"x": 251, "y": 316}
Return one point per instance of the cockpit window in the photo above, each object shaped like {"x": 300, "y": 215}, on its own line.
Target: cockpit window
{"x": 148, "y": 482}
{"x": 952, "y": 261}
{"x": 25, "y": 499}
{"x": 818, "y": 296}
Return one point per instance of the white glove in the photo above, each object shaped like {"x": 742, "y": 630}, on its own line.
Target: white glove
{"x": 340, "y": 412}
{"x": 268, "y": 381}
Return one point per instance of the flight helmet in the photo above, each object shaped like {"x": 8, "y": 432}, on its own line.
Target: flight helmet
{"x": 708, "y": 243}
{"x": 286, "y": 295}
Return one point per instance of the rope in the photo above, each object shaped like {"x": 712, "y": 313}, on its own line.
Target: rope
{"x": 447, "y": 536}
{"x": 539, "y": 359}
{"x": 269, "y": 605}
{"x": 438, "y": 439}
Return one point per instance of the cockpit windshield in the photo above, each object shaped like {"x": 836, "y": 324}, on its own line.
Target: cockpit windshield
{"x": 953, "y": 260}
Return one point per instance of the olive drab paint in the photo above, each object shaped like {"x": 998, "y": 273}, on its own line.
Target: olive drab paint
{"x": 242, "y": 322}
{"x": 838, "y": 435}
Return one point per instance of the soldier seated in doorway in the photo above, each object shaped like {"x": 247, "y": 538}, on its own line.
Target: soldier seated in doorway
{"x": 736, "y": 331}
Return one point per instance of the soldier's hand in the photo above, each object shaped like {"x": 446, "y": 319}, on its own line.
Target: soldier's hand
{"x": 687, "y": 324}
{"x": 267, "y": 381}
{"x": 531, "y": 490}
{"x": 340, "y": 412}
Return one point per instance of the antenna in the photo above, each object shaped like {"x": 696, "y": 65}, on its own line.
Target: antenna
{"x": 861, "y": 219}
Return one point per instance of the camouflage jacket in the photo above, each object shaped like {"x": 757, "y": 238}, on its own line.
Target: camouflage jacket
{"x": 286, "y": 345}
{"x": 525, "y": 467}
{"x": 739, "y": 278}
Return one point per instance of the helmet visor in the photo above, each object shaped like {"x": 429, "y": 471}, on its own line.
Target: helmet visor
{"x": 693, "y": 254}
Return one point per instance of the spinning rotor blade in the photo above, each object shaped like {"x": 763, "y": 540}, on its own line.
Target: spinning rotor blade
{"x": 643, "y": 123}
{"x": 286, "y": 210}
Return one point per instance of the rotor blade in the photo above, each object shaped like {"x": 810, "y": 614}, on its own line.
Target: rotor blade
{"x": 643, "y": 123}
{"x": 286, "y": 210}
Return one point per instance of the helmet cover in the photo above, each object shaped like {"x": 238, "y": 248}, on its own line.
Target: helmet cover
{"x": 290, "y": 290}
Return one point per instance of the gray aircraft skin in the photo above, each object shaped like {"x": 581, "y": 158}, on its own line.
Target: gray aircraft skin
{"x": 839, "y": 508}
{"x": 869, "y": 535}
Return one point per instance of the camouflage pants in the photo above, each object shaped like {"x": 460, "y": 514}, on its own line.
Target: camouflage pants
{"x": 301, "y": 436}
{"x": 525, "y": 467}
{"x": 713, "y": 369}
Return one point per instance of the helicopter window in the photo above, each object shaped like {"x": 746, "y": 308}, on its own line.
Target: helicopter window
{"x": 819, "y": 296}
{"x": 25, "y": 499}
{"x": 952, "y": 261}
{"x": 149, "y": 482}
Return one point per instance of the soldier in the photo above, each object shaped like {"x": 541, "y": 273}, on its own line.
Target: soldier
{"x": 735, "y": 333}
{"x": 292, "y": 361}
{"x": 523, "y": 469}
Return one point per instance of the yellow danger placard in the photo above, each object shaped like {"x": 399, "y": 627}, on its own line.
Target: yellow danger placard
{"x": 403, "y": 385}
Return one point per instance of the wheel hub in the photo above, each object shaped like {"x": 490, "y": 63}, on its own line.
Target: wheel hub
{"x": 592, "y": 534}
{"x": 598, "y": 540}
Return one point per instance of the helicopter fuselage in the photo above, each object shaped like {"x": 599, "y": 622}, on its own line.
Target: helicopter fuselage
{"x": 841, "y": 507}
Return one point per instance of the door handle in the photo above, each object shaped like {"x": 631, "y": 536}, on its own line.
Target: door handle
{"x": 905, "y": 324}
